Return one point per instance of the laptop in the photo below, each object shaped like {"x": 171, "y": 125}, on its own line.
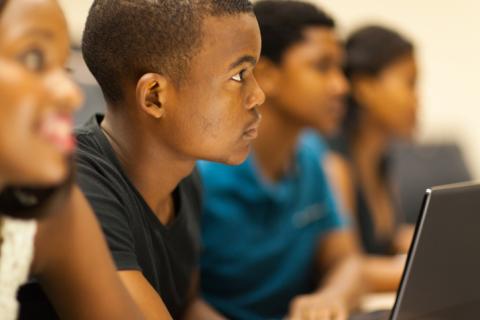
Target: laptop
{"x": 441, "y": 280}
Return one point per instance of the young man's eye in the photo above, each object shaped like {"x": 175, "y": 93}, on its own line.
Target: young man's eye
{"x": 33, "y": 60}
{"x": 239, "y": 76}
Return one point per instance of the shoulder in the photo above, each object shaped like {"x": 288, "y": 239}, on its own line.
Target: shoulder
{"x": 97, "y": 174}
{"x": 107, "y": 192}
{"x": 312, "y": 152}
{"x": 101, "y": 183}
{"x": 90, "y": 156}
{"x": 86, "y": 133}
{"x": 314, "y": 143}
{"x": 89, "y": 148}
{"x": 316, "y": 155}
{"x": 337, "y": 165}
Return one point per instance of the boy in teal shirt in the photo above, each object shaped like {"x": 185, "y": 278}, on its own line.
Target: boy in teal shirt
{"x": 275, "y": 243}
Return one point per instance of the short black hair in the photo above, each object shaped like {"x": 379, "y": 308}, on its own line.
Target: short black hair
{"x": 282, "y": 24}
{"x": 372, "y": 48}
{"x": 124, "y": 39}
{"x": 2, "y": 4}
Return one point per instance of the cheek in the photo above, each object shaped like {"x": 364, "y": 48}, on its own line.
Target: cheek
{"x": 306, "y": 84}
{"x": 396, "y": 112}
{"x": 17, "y": 118}
{"x": 20, "y": 143}
{"x": 207, "y": 125}
{"x": 311, "y": 107}
{"x": 21, "y": 107}
{"x": 403, "y": 106}
{"x": 215, "y": 119}
{"x": 21, "y": 100}
{"x": 298, "y": 94}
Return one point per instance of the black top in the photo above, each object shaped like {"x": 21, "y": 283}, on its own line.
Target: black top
{"x": 166, "y": 255}
{"x": 372, "y": 243}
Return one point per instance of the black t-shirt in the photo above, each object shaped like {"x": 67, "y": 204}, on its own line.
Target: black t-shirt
{"x": 166, "y": 255}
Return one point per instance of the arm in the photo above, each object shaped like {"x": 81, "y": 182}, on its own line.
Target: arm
{"x": 152, "y": 305}
{"x": 114, "y": 219}
{"x": 144, "y": 295}
{"x": 403, "y": 238}
{"x": 383, "y": 274}
{"x": 199, "y": 309}
{"x": 75, "y": 268}
{"x": 341, "y": 178}
{"x": 339, "y": 258}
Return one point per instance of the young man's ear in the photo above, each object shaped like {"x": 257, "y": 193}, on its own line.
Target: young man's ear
{"x": 267, "y": 76}
{"x": 151, "y": 94}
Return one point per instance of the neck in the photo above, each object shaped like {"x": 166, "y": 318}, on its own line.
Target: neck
{"x": 369, "y": 145}
{"x": 276, "y": 143}
{"x": 153, "y": 167}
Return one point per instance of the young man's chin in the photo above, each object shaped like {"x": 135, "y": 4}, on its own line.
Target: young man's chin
{"x": 327, "y": 130}
{"x": 233, "y": 158}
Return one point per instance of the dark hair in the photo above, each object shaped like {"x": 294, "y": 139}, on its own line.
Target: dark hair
{"x": 370, "y": 50}
{"x": 25, "y": 202}
{"x": 282, "y": 24}
{"x": 2, "y": 3}
{"x": 124, "y": 39}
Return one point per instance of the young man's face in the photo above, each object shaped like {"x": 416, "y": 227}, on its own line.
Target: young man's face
{"x": 215, "y": 113}
{"x": 310, "y": 86}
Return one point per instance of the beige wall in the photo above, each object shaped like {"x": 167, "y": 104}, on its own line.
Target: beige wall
{"x": 76, "y": 12}
{"x": 449, "y": 54}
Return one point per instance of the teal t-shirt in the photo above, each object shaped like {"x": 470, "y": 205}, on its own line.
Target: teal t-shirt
{"x": 260, "y": 238}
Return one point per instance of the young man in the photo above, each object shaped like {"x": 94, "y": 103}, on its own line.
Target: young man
{"x": 275, "y": 242}
{"x": 178, "y": 80}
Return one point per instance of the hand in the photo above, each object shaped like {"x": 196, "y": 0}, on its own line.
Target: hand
{"x": 322, "y": 305}
{"x": 404, "y": 238}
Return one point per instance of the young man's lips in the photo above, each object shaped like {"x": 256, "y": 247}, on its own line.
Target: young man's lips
{"x": 252, "y": 131}
{"x": 250, "y": 134}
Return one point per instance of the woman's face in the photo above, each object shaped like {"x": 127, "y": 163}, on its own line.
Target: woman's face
{"x": 37, "y": 97}
{"x": 390, "y": 98}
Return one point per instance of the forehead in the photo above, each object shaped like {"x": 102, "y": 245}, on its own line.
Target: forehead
{"x": 317, "y": 43}
{"x": 225, "y": 39}
{"x": 32, "y": 18}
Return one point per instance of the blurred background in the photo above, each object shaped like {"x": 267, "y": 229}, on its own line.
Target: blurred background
{"x": 447, "y": 50}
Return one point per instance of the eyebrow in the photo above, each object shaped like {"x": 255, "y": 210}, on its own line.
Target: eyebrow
{"x": 245, "y": 59}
